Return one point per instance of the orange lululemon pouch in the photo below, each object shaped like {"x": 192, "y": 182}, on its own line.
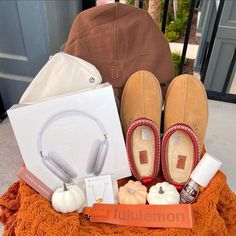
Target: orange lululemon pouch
{"x": 154, "y": 216}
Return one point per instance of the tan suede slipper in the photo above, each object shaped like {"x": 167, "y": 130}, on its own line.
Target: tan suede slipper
{"x": 185, "y": 123}
{"x": 141, "y": 105}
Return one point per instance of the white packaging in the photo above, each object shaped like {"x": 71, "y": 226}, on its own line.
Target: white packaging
{"x": 205, "y": 170}
{"x": 63, "y": 73}
{"x": 71, "y": 137}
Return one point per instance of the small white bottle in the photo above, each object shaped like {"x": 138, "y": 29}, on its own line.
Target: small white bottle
{"x": 200, "y": 177}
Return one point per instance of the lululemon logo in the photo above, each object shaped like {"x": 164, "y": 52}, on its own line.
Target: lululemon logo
{"x": 139, "y": 215}
{"x": 115, "y": 73}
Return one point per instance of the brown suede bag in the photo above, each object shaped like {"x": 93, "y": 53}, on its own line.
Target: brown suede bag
{"x": 119, "y": 40}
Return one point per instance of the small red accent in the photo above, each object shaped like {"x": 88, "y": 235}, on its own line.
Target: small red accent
{"x": 178, "y": 187}
{"x": 147, "y": 180}
{"x": 181, "y": 162}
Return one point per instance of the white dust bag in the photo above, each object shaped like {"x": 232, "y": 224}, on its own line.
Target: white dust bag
{"x": 63, "y": 73}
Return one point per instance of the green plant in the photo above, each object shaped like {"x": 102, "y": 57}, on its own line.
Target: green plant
{"x": 170, "y": 14}
{"x": 172, "y": 35}
{"x": 175, "y": 28}
{"x": 183, "y": 6}
{"x": 130, "y": 2}
{"x": 176, "y": 61}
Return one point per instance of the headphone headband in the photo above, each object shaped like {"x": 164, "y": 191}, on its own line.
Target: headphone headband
{"x": 63, "y": 114}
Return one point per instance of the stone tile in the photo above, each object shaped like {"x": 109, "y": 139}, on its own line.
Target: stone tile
{"x": 191, "y": 50}
{"x": 10, "y": 157}
{"x": 221, "y": 137}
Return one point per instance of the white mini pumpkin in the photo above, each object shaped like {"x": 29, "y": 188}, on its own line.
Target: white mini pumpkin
{"x": 68, "y": 198}
{"x": 163, "y": 193}
{"x": 132, "y": 193}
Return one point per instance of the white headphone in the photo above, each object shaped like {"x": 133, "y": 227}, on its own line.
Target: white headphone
{"x": 59, "y": 166}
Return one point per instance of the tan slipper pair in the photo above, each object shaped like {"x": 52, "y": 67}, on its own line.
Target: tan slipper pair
{"x": 185, "y": 122}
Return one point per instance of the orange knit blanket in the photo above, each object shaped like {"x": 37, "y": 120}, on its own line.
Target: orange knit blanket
{"x": 26, "y": 213}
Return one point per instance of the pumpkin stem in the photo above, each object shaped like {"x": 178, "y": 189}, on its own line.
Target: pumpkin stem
{"x": 65, "y": 188}
{"x": 130, "y": 190}
{"x": 161, "y": 190}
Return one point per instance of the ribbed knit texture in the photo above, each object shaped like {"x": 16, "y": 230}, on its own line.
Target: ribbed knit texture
{"x": 26, "y": 213}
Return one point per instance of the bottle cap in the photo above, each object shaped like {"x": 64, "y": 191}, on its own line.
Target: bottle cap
{"x": 205, "y": 170}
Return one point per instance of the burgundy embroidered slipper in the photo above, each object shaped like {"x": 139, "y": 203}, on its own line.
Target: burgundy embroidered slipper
{"x": 141, "y": 106}
{"x": 185, "y": 123}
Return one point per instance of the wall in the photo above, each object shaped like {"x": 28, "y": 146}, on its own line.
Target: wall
{"x": 30, "y": 31}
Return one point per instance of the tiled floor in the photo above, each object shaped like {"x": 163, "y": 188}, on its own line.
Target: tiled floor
{"x": 10, "y": 157}
{"x": 221, "y": 137}
{"x": 220, "y": 141}
{"x": 191, "y": 50}
{"x": 232, "y": 89}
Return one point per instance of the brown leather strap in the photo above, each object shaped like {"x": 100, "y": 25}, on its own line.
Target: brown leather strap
{"x": 156, "y": 216}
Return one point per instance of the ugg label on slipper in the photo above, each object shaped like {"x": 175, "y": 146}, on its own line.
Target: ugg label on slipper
{"x": 181, "y": 162}
{"x": 143, "y": 157}
{"x": 147, "y": 134}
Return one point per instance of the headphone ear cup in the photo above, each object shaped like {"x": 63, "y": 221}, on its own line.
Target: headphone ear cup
{"x": 59, "y": 167}
{"x": 93, "y": 156}
{"x": 101, "y": 157}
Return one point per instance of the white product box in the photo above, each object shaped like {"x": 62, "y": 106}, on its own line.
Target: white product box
{"x": 67, "y": 138}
